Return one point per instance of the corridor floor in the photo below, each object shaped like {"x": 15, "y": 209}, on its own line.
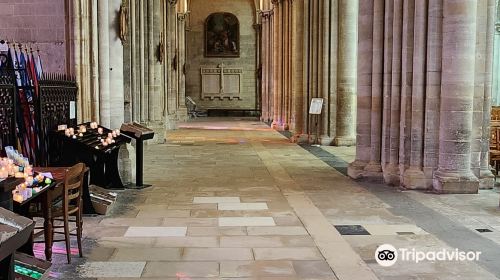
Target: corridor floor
{"x": 233, "y": 199}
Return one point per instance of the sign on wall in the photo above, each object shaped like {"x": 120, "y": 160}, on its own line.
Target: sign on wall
{"x": 316, "y": 106}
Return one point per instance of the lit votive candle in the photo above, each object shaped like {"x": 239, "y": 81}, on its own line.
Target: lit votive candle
{"x": 17, "y": 197}
{"x": 29, "y": 181}
{"x": 29, "y": 169}
{"x": 4, "y": 173}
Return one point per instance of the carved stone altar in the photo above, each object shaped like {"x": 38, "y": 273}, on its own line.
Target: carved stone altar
{"x": 221, "y": 82}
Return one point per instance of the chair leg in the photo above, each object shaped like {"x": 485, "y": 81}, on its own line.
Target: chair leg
{"x": 79, "y": 229}
{"x": 67, "y": 239}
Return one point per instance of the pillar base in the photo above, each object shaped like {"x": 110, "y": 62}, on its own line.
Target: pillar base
{"x": 300, "y": 138}
{"x": 356, "y": 169}
{"x": 486, "y": 180}
{"x": 182, "y": 114}
{"x": 278, "y": 126}
{"x": 373, "y": 172}
{"x": 325, "y": 140}
{"x": 455, "y": 182}
{"x": 414, "y": 178}
{"x": 391, "y": 174}
{"x": 344, "y": 141}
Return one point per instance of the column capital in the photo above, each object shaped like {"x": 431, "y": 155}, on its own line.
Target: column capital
{"x": 182, "y": 16}
{"x": 172, "y": 2}
{"x": 266, "y": 14}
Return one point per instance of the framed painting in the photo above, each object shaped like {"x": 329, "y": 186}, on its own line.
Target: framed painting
{"x": 222, "y": 35}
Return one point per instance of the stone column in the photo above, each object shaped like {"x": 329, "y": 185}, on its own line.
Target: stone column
{"x": 265, "y": 67}
{"x": 95, "y": 61}
{"x": 391, "y": 171}
{"x": 285, "y": 58}
{"x": 270, "y": 74}
{"x": 407, "y": 56}
{"x": 386, "y": 102}
{"x": 142, "y": 62}
{"x": 298, "y": 41}
{"x": 413, "y": 177}
{"x": 104, "y": 73}
{"x": 346, "y": 91}
{"x": 374, "y": 168}
{"x": 77, "y": 53}
{"x": 486, "y": 178}
{"x": 276, "y": 61}
{"x": 457, "y": 92}
{"x": 153, "y": 95}
{"x": 171, "y": 65}
{"x": 324, "y": 70}
{"x": 433, "y": 88}
{"x": 364, "y": 88}
{"x": 158, "y": 67}
{"x": 116, "y": 96}
{"x": 181, "y": 31}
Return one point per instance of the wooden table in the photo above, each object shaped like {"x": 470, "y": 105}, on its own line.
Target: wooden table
{"x": 44, "y": 197}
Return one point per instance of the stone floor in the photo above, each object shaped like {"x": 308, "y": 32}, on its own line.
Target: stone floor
{"x": 233, "y": 199}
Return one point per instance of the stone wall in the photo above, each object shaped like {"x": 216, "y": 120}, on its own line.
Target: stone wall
{"x": 199, "y": 11}
{"x": 41, "y": 23}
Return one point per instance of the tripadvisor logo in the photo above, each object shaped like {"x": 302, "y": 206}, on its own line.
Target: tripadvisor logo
{"x": 387, "y": 255}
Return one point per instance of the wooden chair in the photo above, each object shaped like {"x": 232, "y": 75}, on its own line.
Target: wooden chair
{"x": 71, "y": 207}
{"x": 69, "y": 191}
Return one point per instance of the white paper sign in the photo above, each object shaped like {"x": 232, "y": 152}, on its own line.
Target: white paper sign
{"x": 72, "y": 110}
{"x": 316, "y": 106}
{"x": 4, "y": 47}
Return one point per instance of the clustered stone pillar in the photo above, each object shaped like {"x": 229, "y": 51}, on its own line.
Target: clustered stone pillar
{"x": 157, "y": 54}
{"x": 312, "y": 55}
{"x": 430, "y": 109}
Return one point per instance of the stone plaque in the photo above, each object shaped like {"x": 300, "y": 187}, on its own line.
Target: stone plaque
{"x": 221, "y": 82}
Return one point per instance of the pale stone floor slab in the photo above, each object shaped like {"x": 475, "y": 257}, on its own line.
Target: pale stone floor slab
{"x": 155, "y": 231}
{"x": 246, "y": 221}
{"x": 243, "y": 206}
{"x": 233, "y": 199}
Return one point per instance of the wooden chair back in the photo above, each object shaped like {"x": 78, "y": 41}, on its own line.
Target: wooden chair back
{"x": 73, "y": 184}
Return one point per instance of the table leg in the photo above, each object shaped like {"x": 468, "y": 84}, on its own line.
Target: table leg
{"x": 47, "y": 225}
